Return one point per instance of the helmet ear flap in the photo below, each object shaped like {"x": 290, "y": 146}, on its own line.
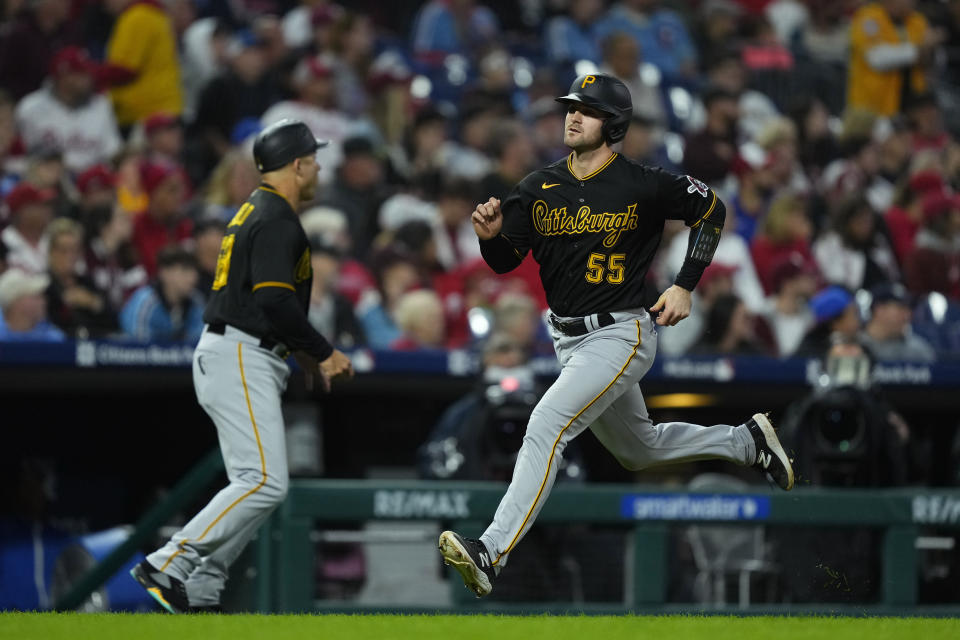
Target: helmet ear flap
{"x": 615, "y": 128}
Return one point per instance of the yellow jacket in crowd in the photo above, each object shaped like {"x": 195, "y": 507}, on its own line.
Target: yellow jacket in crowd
{"x": 143, "y": 42}
{"x": 881, "y": 54}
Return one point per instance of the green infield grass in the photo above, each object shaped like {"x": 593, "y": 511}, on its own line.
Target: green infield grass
{"x": 74, "y": 626}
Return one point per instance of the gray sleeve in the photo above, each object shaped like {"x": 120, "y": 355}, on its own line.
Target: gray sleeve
{"x": 885, "y": 57}
{"x": 920, "y": 349}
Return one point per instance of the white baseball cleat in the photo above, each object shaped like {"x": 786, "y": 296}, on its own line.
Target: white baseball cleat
{"x": 771, "y": 458}
{"x": 471, "y": 559}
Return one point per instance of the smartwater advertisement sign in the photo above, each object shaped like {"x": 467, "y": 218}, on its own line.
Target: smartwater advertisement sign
{"x": 672, "y": 506}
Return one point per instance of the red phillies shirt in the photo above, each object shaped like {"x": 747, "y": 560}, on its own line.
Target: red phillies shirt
{"x": 150, "y": 236}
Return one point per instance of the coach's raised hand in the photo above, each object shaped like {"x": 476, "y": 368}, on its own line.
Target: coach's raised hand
{"x": 487, "y": 219}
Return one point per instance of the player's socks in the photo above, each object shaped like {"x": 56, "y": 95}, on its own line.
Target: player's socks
{"x": 471, "y": 558}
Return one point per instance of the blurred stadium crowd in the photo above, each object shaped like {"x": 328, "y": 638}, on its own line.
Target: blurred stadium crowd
{"x": 830, "y": 129}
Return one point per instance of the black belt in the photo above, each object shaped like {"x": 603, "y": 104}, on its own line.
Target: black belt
{"x": 578, "y": 326}
{"x": 269, "y": 344}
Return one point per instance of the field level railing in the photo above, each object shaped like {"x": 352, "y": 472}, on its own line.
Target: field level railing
{"x": 285, "y": 552}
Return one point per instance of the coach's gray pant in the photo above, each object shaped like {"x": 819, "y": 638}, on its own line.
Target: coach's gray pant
{"x": 598, "y": 388}
{"x": 239, "y": 385}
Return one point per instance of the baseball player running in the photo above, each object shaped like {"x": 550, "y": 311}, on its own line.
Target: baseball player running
{"x": 594, "y": 221}
{"x": 256, "y": 316}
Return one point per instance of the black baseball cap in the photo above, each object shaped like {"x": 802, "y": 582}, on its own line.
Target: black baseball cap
{"x": 358, "y": 146}
{"x": 283, "y": 142}
{"x": 174, "y": 255}
{"x": 891, "y": 292}
{"x": 322, "y": 245}
{"x": 715, "y": 94}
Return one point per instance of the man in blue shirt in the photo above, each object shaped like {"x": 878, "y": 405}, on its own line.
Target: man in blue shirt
{"x": 663, "y": 36}
{"x": 23, "y": 309}
{"x": 169, "y": 309}
{"x": 573, "y": 37}
{"x": 452, "y": 26}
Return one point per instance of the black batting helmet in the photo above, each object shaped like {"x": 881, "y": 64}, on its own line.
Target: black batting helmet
{"x": 605, "y": 94}
{"x": 283, "y": 142}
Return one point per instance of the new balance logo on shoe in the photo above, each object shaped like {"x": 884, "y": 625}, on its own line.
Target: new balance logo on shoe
{"x": 471, "y": 560}
{"x": 764, "y": 459}
{"x": 771, "y": 458}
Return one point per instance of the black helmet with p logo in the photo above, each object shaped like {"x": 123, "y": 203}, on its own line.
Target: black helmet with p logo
{"x": 608, "y": 95}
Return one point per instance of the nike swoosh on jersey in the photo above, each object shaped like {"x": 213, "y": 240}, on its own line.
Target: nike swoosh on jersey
{"x": 547, "y": 186}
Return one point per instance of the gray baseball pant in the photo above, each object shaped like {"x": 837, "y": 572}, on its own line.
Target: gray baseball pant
{"x": 598, "y": 388}
{"x": 239, "y": 385}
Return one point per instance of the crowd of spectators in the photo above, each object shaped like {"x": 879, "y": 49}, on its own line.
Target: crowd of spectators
{"x": 828, "y": 128}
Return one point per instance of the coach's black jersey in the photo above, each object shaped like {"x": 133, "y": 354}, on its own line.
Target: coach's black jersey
{"x": 264, "y": 246}
{"x": 595, "y": 236}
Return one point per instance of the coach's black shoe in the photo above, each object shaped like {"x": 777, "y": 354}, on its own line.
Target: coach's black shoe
{"x": 771, "y": 458}
{"x": 471, "y": 559}
{"x": 170, "y": 593}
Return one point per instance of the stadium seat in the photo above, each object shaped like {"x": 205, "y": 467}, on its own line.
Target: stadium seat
{"x": 724, "y": 551}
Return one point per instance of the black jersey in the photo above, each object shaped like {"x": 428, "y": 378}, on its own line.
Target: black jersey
{"x": 595, "y": 236}
{"x": 264, "y": 246}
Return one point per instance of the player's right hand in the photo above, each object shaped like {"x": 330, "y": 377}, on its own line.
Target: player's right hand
{"x": 338, "y": 365}
{"x": 487, "y": 219}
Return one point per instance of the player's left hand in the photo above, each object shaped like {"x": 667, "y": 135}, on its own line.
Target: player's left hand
{"x": 309, "y": 365}
{"x": 673, "y": 306}
{"x": 337, "y": 366}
